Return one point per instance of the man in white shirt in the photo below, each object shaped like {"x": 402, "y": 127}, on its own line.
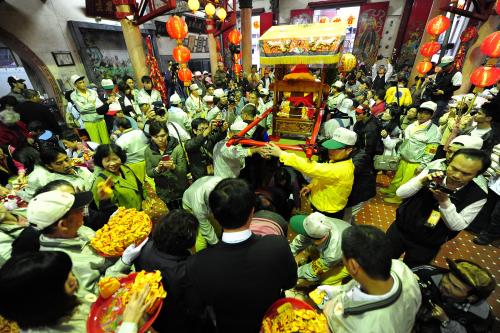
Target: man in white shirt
{"x": 176, "y": 114}
{"x": 219, "y": 110}
{"x": 194, "y": 105}
{"x": 195, "y": 200}
{"x": 229, "y": 161}
{"x": 384, "y": 295}
{"x": 134, "y": 143}
{"x": 437, "y": 207}
{"x": 148, "y": 92}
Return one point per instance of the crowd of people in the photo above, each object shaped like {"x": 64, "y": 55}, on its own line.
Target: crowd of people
{"x": 222, "y": 246}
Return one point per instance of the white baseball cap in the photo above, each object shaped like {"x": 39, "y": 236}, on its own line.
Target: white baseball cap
{"x": 338, "y": 84}
{"x": 205, "y": 72}
{"x": 346, "y": 106}
{"x": 238, "y": 126}
{"x": 208, "y": 98}
{"x": 264, "y": 91}
{"x": 76, "y": 77}
{"x": 219, "y": 93}
{"x": 107, "y": 84}
{"x": 175, "y": 99}
{"x": 468, "y": 141}
{"x": 446, "y": 60}
{"x": 312, "y": 225}
{"x": 194, "y": 86}
{"x": 49, "y": 207}
{"x": 197, "y": 73}
{"x": 429, "y": 105}
{"x": 341, "y": 138}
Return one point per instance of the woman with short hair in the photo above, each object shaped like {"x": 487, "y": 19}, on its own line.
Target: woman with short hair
{"x": 128, "y": 191}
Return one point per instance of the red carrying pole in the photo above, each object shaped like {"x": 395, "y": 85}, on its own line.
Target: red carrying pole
{"x": 244, "y": 131}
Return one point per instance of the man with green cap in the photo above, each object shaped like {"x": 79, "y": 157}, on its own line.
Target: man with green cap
{"x": 331, "y": 182}
{"x": 323, "y": 234}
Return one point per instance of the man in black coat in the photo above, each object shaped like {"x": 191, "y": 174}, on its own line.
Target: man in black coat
{"x": 32, "y": 110}
{"x": 167, "y": 252}
{"x": 368, "y": 129}
{"x": 241, "y": 276}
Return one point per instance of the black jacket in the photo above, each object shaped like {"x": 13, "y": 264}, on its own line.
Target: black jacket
{"x": 176, "y": 316}
{"x": 31, "y": 111}
{"x": 365, "y": 178}
{"x": 369, "y": 137}
{"x": 240, "y": 281}
{"x": 200, "y": 150}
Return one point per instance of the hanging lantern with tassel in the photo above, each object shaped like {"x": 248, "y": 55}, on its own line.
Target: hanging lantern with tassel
{"x": 210, "y": 10}
{"x": 438, "y": 25}
{"x": 347, "y": 63}
{"x": 485, "y": 76}
{"x": 193, "y": 5}
{"x": 185, "y": 75}
{"x": 234, "y": 37}
{"x": 177, "y": 28}
{"x": 491, "y": 45}
{"x": 429, "y": 49}
{"x": 181, "y": 54}
{"x": 424, "y": 67}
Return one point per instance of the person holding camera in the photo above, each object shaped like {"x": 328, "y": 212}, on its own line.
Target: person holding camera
{"x": 448, "y": 80}
{"x": 454, "y": 299}
{"x": 201, "y": 145}
{"x": 437, "y": 206}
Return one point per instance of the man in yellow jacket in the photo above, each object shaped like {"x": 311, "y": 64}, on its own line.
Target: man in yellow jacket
{"x": 398, "y": 93}
{"x": 331, "y": 182}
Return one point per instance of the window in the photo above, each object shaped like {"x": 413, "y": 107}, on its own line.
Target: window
{"x": 7, "y": 59}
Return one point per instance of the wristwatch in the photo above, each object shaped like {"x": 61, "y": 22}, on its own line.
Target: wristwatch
{"x": 445, "y": 323}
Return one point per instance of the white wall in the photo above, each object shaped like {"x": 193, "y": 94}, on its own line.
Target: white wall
{"x": 42, "y": 26}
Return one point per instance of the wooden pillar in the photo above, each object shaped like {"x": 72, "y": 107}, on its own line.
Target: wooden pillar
{"x": 474, "y": 58}
{"x": 212, "y": 45}
{"x": 133, "y": 40}
{"x": 246, "y": 34}
{"x": 435, "y": 10}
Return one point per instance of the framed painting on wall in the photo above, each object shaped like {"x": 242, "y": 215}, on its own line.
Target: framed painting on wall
{"x": 63, "y": 58}
{"x": 103, "y": 50}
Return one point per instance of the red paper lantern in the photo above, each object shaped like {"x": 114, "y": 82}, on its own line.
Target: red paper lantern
{"x": 176, "y": 27}
{"x": 237, "y": 68}
{"x": 429, "y": 49}
{"x": 498, "y": 7}
{"x": 438, "y": 25}
{"x": 234, "y": 37}
{"x": 423, "y": 67}
{"x": 491, "y": 45}
{"x": 185, "y": 75}
{"x": 485, "y": 76}
{"x": 181, "y": 54}
{"x": 468, "y": 34}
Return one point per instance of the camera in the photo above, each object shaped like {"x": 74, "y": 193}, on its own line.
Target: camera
{"x": 159, "y": 109}
{"x": 430, "y": 90}
{"x": 437, "y": 184}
